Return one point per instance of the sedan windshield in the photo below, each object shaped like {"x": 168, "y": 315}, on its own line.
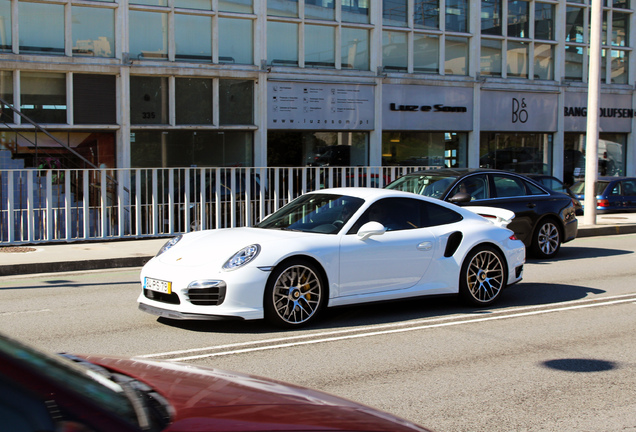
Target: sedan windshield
{"x": 431, "y": 185}
{"x": 320, "y": 213}
{"x": 579, "y": 187}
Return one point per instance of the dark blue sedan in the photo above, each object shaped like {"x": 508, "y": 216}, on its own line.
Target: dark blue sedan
{"x": 613, "y": 194}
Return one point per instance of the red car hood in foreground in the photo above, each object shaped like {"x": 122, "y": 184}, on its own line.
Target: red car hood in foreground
{"x": 208, "y": 399}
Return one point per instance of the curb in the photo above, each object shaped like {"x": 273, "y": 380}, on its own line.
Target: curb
{"x": 68, "y": 266}
{"x": 605, "y": 230}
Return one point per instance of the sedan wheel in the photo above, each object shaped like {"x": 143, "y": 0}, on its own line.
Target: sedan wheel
{"x": 547, "y": 240}
{"x": 294, "y": 295}
{"x": 482, "y": 277}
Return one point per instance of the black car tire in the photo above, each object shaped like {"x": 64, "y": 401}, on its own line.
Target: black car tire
{"x": 295, "y": 293}
{"x": 483, "y": 276}
{"x": 546, "y": 239}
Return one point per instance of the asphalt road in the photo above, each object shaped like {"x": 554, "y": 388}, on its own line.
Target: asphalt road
{"x": 557, "y": 353}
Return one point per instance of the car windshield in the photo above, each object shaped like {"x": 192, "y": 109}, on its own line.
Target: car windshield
{"x": 87, "y": 382}
{"x": 431, "y": 185}
{"x": 319, "y": 213}
{"x": 579, "y": 187}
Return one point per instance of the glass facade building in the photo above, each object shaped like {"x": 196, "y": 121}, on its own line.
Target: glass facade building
{"x": 173, "y": 83}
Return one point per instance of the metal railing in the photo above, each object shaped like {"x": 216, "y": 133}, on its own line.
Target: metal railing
{"x": 50, "y": 205}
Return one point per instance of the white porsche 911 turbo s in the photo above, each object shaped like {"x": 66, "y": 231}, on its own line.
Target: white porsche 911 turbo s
{"x": 334, "y": 247}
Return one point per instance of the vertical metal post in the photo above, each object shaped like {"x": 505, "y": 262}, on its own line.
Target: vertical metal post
{"x": 593, "y": 99}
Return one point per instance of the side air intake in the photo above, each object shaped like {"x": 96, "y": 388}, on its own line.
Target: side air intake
{"x": 454, "y": 240}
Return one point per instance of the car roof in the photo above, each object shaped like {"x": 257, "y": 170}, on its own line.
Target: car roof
{"x": 365, "y": 192}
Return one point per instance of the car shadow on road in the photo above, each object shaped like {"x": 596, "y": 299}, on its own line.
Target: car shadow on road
{"x": 401, "y": 311}
{"x": 576, "y": 252}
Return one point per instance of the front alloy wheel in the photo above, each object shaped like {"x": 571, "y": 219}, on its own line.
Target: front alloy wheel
{"x": 482, "y": 277}
{"x": 547, "y": 240}
{"x": 294, "y": 294}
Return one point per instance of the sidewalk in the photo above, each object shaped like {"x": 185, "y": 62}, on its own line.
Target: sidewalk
{"x": 63, "y": 257}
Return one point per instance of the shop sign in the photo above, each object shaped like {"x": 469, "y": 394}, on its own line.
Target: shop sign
{"x": 615, "y": 113}
{"x": 426, "y": 108}
{"x": 319, "y": 106}
{"x": 518, "y": 111}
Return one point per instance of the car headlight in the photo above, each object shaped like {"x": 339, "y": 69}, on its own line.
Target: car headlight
{"x": 242, "y": 257}
{"x": 173, "y": 241}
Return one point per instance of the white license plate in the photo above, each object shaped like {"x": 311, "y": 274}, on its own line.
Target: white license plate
{"x": 158, "y": 285}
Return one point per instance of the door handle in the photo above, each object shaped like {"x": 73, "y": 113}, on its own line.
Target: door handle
{"x": 425, "y": 246}
{"x": 531, "y": 205}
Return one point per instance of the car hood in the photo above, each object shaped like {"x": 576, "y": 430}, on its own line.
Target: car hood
{"x": 215, "y": 247}
{"x": 206, "y": 399}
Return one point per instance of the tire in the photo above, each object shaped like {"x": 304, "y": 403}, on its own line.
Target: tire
{"x": 546, "y": 240}
{"x": 295, "y": 294}
{"x": 483, "y": 276}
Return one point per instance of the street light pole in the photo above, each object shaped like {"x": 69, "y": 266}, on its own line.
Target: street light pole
{"x": 593, "y": 112}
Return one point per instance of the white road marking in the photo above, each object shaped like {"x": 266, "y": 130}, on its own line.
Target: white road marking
{"x": 368, "y": 331}
{"x": 24, "y": 312}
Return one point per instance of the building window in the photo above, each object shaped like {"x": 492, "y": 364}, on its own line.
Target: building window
{"x": 437, "y": 149}
{"x": 240, "y": 6}
{"x": 394, "y": 13}
{"x": 94, "y": 99}
{"x": 194, "y": 4}
{"x": 6, "y": 93}
{"x": 426, "y": 53}
{"x": 491, "y": 57}
{"x": 148, "y": 100}
{"x": 43, "y": 96}
{"x": 518, "y": 152}
{"x": 355, "y": 48}
{"x": 456, "y": 56}
{"x": 6, "y": 41}
{"x": 491, "y": 17}
{"x": 457, "y": 16}
{"x": 193, "y": 101}
{"x": 544, "y": 21}
{"x": 543, "y": 61}
{"x": 320, "y": 9}
{"x": 518, "y": 19}
{"x": 236, "y": 102}
{"x": 282, "y": 43}
{"x": 282, "y": 8}
{"x": 394, "y": 51}
{"x": 156, "y": 148}
{"x": 611, "y": 155}
{"x": 517, "y": 59}
{"x": 148, "y": 35}
{"x": 426, "y": 14}
{"x": 285, "y": 149}
{"x": 41, "y": 28}
{"x": 193, "y": 37}
{"x": 320, "y": 46}
{"x": 236, "y": 41}
{"x": 355, "y": 11}
{"x": 93, "y": 31}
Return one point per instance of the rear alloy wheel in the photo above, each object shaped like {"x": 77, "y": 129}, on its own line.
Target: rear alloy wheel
{"x": 482, "y": 277}
{"x": 547, "y": 239}
{"x": 295, "y": 294}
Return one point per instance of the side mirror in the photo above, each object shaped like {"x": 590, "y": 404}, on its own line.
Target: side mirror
{"x": 460, "y": 197}
{"x": 370, "y": 229}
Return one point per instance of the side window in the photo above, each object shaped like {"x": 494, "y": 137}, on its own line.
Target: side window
{"x": 476, "y": 186}
{"x": 398, "y": 214}
{"x": 617, "y": 189}
{"x": 535, "y": 190}
{"x": 433, "y": 215}
{"x": 507, "y": 187}
{"x": 630, "y": 187}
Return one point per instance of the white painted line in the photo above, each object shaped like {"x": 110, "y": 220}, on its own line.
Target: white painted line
{"x": 374, "y": 328}
{"x": 24, "y": 312}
